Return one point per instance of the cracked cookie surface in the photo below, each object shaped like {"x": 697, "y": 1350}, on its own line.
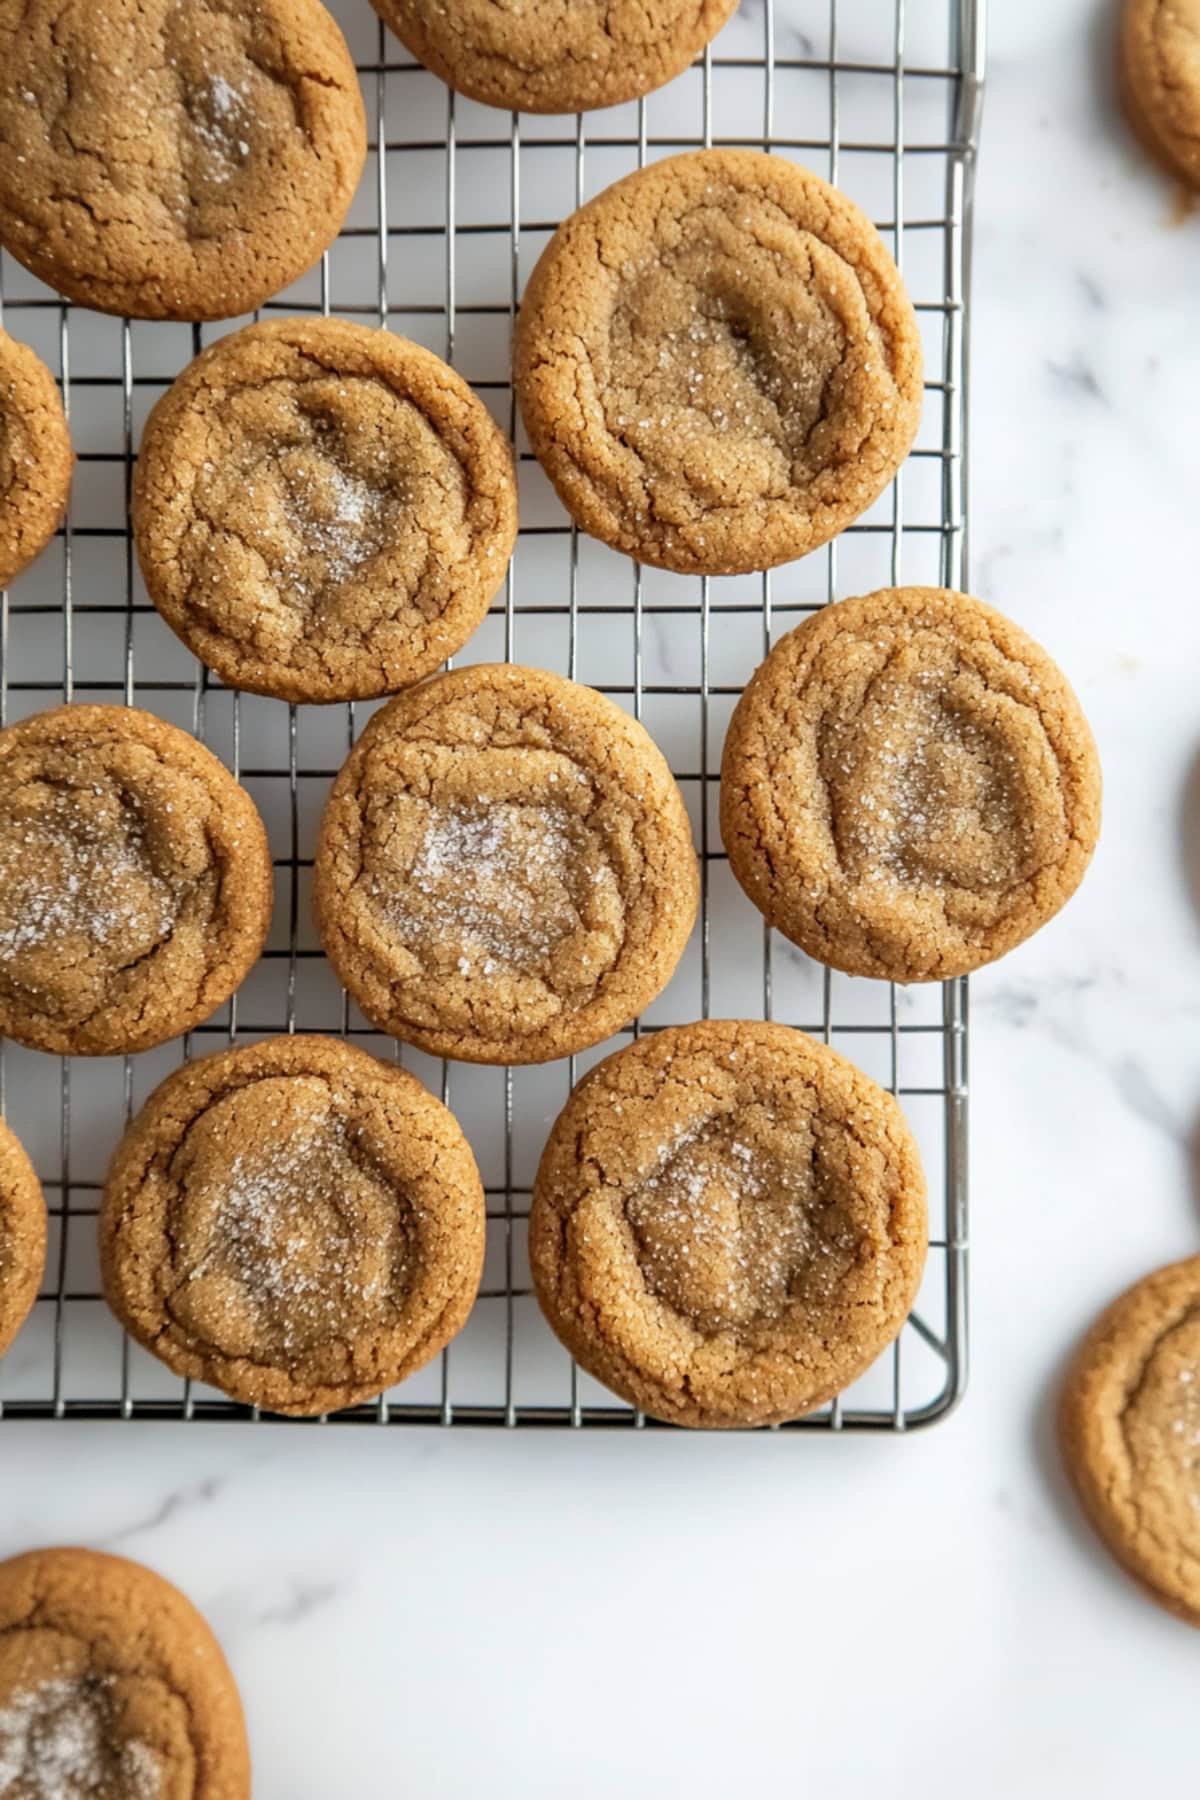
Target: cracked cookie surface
{"x": 112, "y": 1686}
{"x": 717, "y": 363}
{"x": 35, "y": 457}
{"x": 135, "y": 881}
{"x": 322, "y": 511}
{"x": 294, "y": 1222}
{"x": 22, "y": 1236}
{"x": 909, "y": 787}
{"x": 1159, "y": 71}
{"x": 1129, "y": 1426}
{"x": 728, "y": 1223}
{"x": 174, "y": 159}
{"x": 555, "y": 56}
{"x": 505, "y": 870}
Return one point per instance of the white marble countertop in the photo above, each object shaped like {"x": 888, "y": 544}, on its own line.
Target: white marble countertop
{"x": 458, "y": 1615}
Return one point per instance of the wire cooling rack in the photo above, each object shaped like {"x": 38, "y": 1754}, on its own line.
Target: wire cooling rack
{"x": 456, "y": 203}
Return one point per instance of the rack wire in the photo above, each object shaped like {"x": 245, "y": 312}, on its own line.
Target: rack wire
{"x": 881, "y": 96}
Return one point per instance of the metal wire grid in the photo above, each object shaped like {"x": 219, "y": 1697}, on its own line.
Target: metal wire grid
{"x": 84, "y": 602}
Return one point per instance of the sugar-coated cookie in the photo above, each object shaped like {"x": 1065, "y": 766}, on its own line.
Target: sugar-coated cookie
{"x": 322, "y": 511}
{"x": 36, "y": 458}
{"x": 728, "y": 1223}
{"x": 174, "y": 161}
{"x": 294, "y": 1222}
{"x": 111, "y": 1684}
{"x": 555, "y": 56}
{"x": 505, "y": 870}
{"x": 22, "y": 1236}
{"x": 909, "y": 787}
{"x": 1129, "y": 1425}
{"x": 136, "y": 883}
{"x": 717, "y": 363}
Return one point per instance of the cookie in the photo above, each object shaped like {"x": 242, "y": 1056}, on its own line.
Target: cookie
{"x": 555, "y": 56}
{"x": 295, "y": 1223}
{"x": 35, "y": 457}
{"x": 1129, "y": 1426}
{"x": 22, "y": 1237}
{"x": 909, "y": 787}
{"x": 505, "y": 871}
{"x": 1159, "y": 73}
{"x": 322, "y": 511}
{"x": 728, "y": 1223}
{"x": 170, "y": 161}
{"x": 717, "y": 363}
{"x": 112, "y": 1685}
{"x": 135, "y": 881}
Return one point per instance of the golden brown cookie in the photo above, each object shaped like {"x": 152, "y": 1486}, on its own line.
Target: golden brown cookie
{"x": 322, "y": 511}
{"x": 174, "y": 161}
{"x": 1159, "y": 67}
{"x": 555, "y": 56}
{"x": 717, "y": 363}
{"x": 135, "y": 881}
{"x": 728, "y": 1223}
{"x": 295, "y": 1222}
{"x": 22, "y": 1237}
{"x": 909, "y": 787}
{"x": 112, "y": 1686}
{"x": 1129, "y": 1425}
{"x": 505, "y": 871}
{"x": 35, "y": 457}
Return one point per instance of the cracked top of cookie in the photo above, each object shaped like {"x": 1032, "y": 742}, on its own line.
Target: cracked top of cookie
{"x": 135, "y": 881}
{"x": 505, "y": 870}
{"x": 717, "y": 363}
{"x": 322, "y": 511}
{"x": 909, "y": 787}
{"x": 294, "y": 1221}
{"x": 176, "y": 159}
{"x": 548, "y": 56}
{"x": 728, "y": 1223}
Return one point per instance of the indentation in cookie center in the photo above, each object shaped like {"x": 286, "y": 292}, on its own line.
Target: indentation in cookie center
{"x": 503, "y": 887}
{"x": 283, "y": 1235}
{"x": 921, "y": 791}
{"x": 325, "y": 507}
{"x": 704, "y": 385}
{"x": 79, "y": 890}
{"x": 335, "y": 515}
{"x": 220, "y": 116}
{"x": 58, "y": 1742}
{"x": 728, "y": 1229}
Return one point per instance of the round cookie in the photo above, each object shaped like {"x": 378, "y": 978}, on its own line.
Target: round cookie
{"x": 296, "y": 1223}
{"x": 22, "y": 1236}
{"x": 174, "y": 161}
{"x": 135, "y": 881}
{"x": 505, "y": 870}
{"x": 1129, "y": 1426}
{"x": 322, "y": 511}
{"x": 555, "y": 56}
{"x": 909, "y": 787}
{"x": 111, "y": 1684}
{"x": 728, "y": 1223}
{"x": 717, "y": 363}
{"x": 1159, "y": 72}
{"x": 35, "y": 457}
